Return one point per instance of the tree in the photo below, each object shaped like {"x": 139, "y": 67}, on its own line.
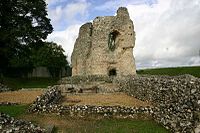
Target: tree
{"x": 22, "y": 22}
{"x": 20, "y": 62}
{"x": 49, "y": 55}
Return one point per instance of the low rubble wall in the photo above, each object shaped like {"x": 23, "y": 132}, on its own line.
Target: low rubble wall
{"x": 11, "y": 125}
{"x": 48, "y": 103}
{"x": 48, "y": 100}
{"x": 4, "y": 88}
{"x": 177, "y": 99}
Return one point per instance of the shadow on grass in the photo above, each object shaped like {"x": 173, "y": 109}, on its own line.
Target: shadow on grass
{"x": 18, "y": 83}
{"x": 85, "y": 124}
{"x": 13, "y": 110}
{"x": 119, "y": 126}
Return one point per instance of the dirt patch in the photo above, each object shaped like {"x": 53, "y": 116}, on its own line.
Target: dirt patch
{"x": 109, "y": 99}
{"x": 22, "y": 96}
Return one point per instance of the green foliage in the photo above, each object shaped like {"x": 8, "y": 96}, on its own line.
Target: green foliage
{"x": 50, "y": 55}
{"x": 17, "y": 83}
{"x": 193, "y": 70}
{"x": 14, "y": 110}
{"x": 120, "y": 126}
{"x": 20, "y": 58}
{"x": 20, "y": 63}
{"x": 22, "y": 23}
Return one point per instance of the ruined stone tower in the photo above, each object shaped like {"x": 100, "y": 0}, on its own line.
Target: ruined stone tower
{"x": 105, "y": 47}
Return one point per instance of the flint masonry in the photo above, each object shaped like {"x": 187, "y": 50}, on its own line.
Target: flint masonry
{"x": 105, "y": 47}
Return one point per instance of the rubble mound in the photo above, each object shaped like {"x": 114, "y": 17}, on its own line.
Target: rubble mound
{"x": 47, "y": 101}
{"x": 9, "y": 125}
{"x": 177, "y": 99}
{"x": 4, "y": 88}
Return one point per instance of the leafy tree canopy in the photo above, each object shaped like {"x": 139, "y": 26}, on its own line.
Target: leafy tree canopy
{"x": 23, "y": 28}
{"x": 49, "y": 55}
{"x": 22, "y": 22}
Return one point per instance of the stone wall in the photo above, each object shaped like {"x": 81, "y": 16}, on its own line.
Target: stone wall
{"x": 4, "y": 88}
{"x": 48, "y": 103}
{"x": 177, "y": 99}
{"x": 86, "y": 79}
{"x": 44, "y": 72}
{"x": 11, "y": 125}
{"x": 89, "y": 84}
{"x": 105, "y": 47}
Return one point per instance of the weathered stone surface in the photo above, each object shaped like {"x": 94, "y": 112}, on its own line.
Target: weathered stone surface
{"x": 7, "y": 104}
{"x": 176, "y": 99}
{"x": 92, "y": 83}
{"x": 86, "y": 79}
{"x": 47, "y": 102}
{"x": 11, "y": 125}
{"x": 105, "y": 47}
{"x": 4, "y": 88}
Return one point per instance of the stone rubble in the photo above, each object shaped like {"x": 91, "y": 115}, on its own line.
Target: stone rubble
{"x": 48, "y": 103}
{"x": 11, "y": 125}
{"x": 7, "y": 103}
{"x": 88, "y": 83}
{"x": 4, "y": 88}
{"x": 48, "y": 100}
{"x": 104, "y": 110}
{"x": 177, "y": 99}
{"x": 85, "y": 79}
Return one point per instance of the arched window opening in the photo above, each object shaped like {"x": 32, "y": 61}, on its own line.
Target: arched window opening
{"x": 112, "y": 40}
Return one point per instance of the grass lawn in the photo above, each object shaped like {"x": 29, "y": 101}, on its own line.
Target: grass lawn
{"x": 120, "y": 126}
{"x": 14, "y": 110}
{"x": 194, "y": 70}
{"x": 85, "y": 124}
{"x": 17, "y": 83}
{"x": 96, "y": 124}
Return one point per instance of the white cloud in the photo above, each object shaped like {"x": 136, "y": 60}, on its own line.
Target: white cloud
{"x": 115, "y": 4}
{"x": 71, "y": 13}
{"x": 74, "y": 9}
{"x": 167, "y": 33}
{"x": 65, "y": 38}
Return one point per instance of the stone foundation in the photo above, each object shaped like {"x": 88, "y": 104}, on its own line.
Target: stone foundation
{"x": 11, "y": 125}
{"x": 177, "y": 99}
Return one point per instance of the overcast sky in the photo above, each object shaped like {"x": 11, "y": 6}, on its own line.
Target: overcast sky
{"x": 167, "y": 31}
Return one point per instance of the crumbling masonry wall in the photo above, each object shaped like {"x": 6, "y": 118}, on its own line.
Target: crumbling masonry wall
{"x": 105, "y": 47}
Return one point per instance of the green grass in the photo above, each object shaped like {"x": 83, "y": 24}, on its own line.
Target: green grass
{"x": 14, "y": 110}
{"x": 194, "y": 70}
{"x": 18, "y": 83}
{"x": 120, "y": 126}
{"x": 83, "y": 125}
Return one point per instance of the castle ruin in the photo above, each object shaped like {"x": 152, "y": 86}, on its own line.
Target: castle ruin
{"x": 105, "y": 47}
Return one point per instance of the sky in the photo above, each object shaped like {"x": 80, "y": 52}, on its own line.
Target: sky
{"x": 167, "y": 31}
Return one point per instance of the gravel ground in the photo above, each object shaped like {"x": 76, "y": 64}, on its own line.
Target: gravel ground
{"x": 22, "y": 96}
{"x": 109, "y": 99}
{"x": 28, "y": 96}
